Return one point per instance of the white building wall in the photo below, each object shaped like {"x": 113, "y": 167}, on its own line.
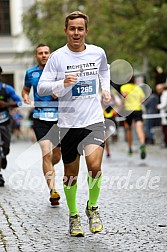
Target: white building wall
{"x": 13, "y": 58}
{"x": 16, "y": 11}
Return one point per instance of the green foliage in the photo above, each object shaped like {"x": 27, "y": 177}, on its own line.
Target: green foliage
{"x": 132, "y": 30}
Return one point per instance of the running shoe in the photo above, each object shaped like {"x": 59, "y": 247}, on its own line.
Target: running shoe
{"x": 75, "y": 228}
{"x": 54, "y": 198}
{"x": 95, "y": 223}
{"x": 3, "y": 163}
{"x": 142, "y": 151}
{"x": 130, "y": 152}
{"x": 2, "y": 181}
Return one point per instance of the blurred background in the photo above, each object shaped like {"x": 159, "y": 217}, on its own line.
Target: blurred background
{"x": 132, "y": 30}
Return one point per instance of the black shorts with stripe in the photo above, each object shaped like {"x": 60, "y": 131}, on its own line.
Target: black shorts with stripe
{"x": 74, "y": 140}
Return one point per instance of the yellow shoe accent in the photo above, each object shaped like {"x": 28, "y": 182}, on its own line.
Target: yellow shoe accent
{"x": 54, "y": 198}
{"x": 75, "y": 228}
{"x": 95, "y": 223}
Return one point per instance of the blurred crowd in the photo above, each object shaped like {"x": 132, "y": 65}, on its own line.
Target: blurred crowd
{"x": 21, "y": 122}
{"x": 154, "y": 115}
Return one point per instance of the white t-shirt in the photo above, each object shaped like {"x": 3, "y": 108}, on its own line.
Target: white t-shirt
{"x": 79, "y": 105}
{"x": 163, "y": 107}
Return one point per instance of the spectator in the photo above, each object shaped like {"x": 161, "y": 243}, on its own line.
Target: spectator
{"x": 160, "y": 76}
{"x": 150, "y": 105}
{"x": 162, "y": 106}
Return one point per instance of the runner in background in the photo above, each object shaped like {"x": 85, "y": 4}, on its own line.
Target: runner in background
{"x": 45, "y": 116}
{"x": 133, "y": 97}
{"x": 8, "y": 99}
{"x": 111, "y": 110}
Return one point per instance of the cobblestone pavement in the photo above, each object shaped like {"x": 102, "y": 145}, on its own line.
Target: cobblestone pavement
{"x": 133, "y": 204}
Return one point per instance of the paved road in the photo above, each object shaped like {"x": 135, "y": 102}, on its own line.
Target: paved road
{"x": 133, "y": 204}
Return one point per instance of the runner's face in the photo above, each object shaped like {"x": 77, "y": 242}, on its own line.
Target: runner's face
{"x": 42, "y": 55}
{"x": 76, "y": 33}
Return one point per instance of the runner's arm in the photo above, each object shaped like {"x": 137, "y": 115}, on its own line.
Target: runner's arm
{"x": 14, "y": 99}
{"x": 52, "y": 80}
{"x": 25, "y": 95}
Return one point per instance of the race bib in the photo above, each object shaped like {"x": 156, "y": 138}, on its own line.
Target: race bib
{"x": 84, "y": 89}
{"x": 48, "y": 114}
{"x": 4, "y": 116}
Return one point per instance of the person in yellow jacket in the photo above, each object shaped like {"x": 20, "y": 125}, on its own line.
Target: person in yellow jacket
{"x": 133, "y": 97}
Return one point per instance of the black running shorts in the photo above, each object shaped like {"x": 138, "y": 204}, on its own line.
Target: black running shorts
{"x": 134, "y": 116}
{"x": 5, "y": 130}
{"x": 46, "y": 130}
{"x": 73, "y": 140}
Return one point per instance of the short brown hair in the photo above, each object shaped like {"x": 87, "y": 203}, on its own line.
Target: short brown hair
{"x": 77, "y": 14}
{"x": 40, "y": 45}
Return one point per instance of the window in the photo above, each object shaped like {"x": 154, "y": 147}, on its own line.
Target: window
{"x": 4, "y": 17}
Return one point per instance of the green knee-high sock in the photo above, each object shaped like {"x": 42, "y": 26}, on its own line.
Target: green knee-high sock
{"x": 70, "y": 193}
{"x": 94, "y": 190}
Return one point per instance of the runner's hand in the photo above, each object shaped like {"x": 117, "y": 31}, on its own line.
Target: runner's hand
{"x": 3, "y": 104}
{"x": 27, "y": 99}
{"x": 106, "y": 97}
{"x": 70, "y": 80}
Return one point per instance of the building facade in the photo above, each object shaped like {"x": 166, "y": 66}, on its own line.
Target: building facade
{"x": 15, "y": 48}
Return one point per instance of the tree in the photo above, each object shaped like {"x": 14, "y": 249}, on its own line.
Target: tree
{"x": 133, "y": 30}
